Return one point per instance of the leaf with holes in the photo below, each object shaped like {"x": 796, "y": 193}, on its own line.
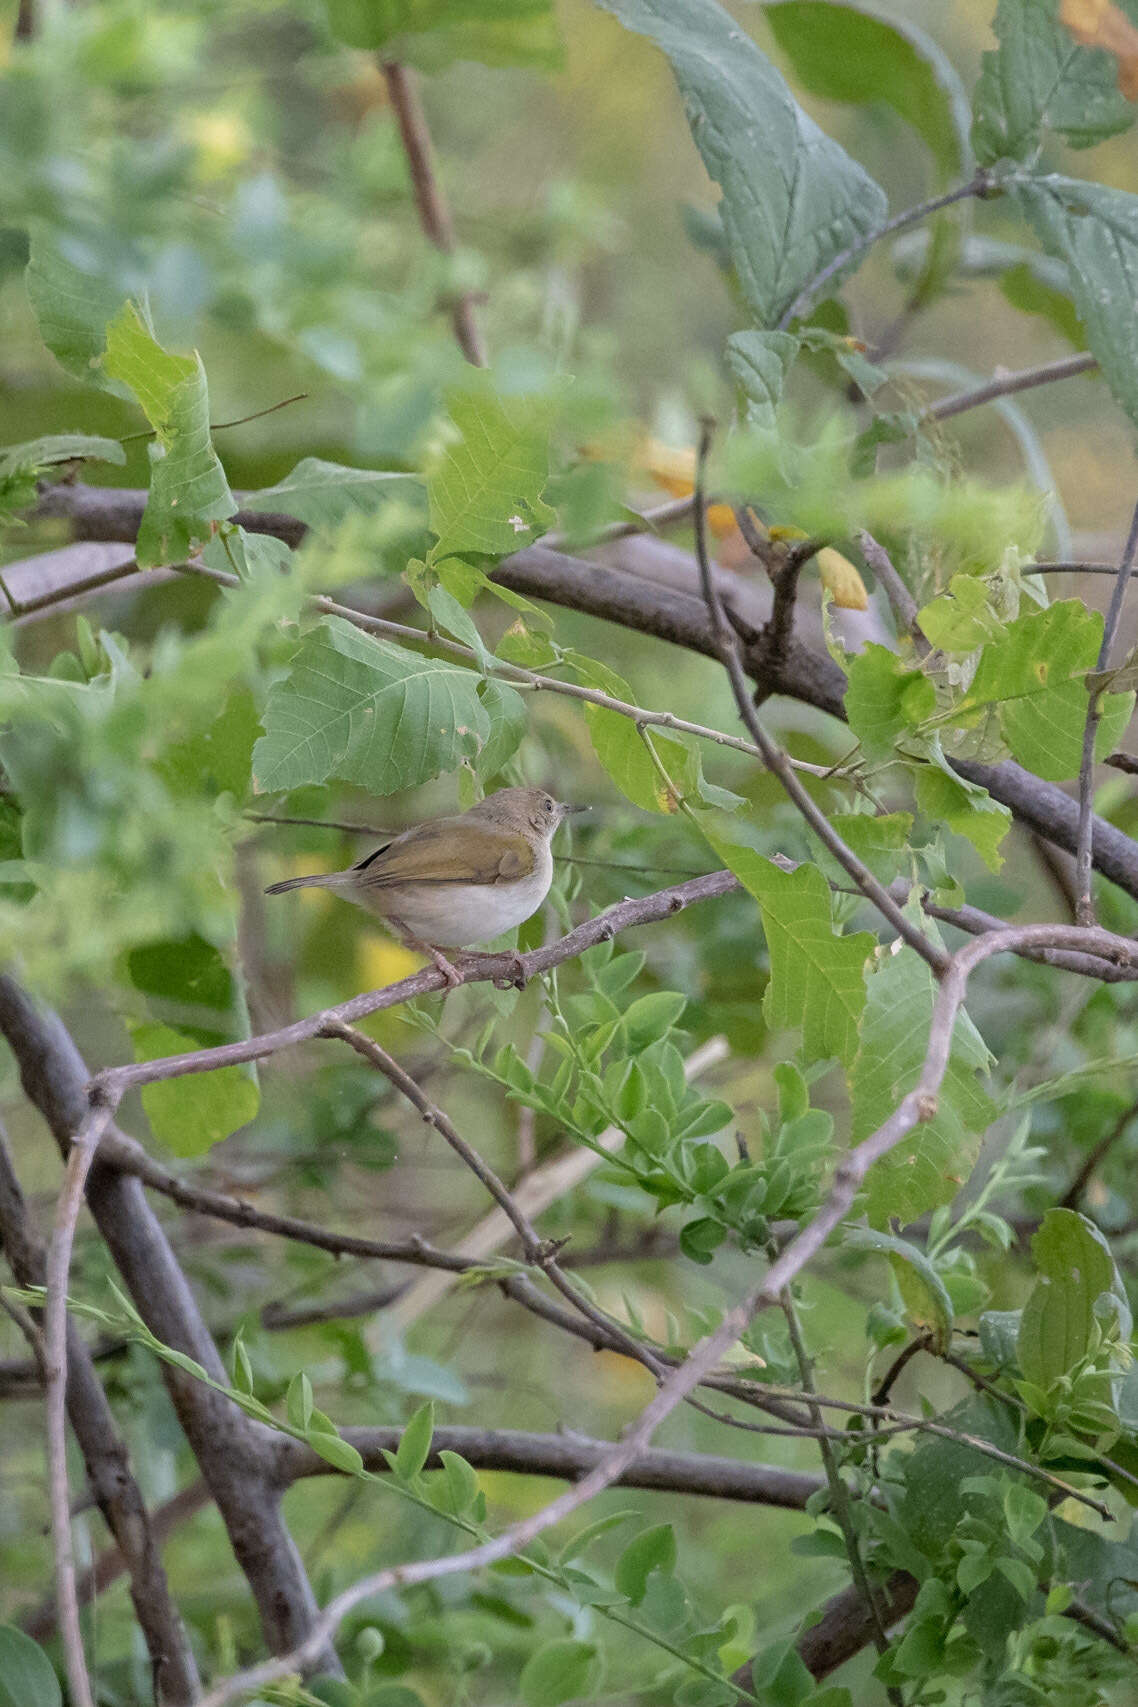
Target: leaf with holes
{"x": 484, "y": 491}
{"x": 188, "y": 488}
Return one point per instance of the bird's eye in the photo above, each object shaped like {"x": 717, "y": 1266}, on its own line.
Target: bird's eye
{"x": 548, "y": 804}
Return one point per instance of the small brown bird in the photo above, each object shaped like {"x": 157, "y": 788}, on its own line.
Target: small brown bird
{"x": 458, "y": 880}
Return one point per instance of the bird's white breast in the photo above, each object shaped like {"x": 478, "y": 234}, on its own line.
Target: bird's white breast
{"x": 457, "y": 915}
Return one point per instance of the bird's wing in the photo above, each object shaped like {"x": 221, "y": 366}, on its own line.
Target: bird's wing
{"x": 434, "y": 853}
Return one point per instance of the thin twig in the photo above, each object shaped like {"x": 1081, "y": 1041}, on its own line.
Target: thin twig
{"x": 434, "y": 214}
{"x": 70, "y": 1201}
{"x": 901, "y": 601}
{"x": 839, "y": 1493}
{"x": 1084, "y": 907}
{"x": 1007, "y": 384}
{"x": 1095, "y": 1157}
{"x": 773, "y": 756}
{"x": 980, "y": 185}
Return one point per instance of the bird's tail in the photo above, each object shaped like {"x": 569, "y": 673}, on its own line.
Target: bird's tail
{"x": 321, "y": 880}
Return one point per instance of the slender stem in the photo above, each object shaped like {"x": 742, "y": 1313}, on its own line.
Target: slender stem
{"x": 777, "y": 761}
{"x": 1007, "y": 384}
{"x": 83, "y": 1147}
{"x": 839, "y": 1493}
{"x": 525, "y": 680}
{"x": 434, "y": 213}
{"x": 977, "y": 186}
{"x": 1094, "y": 1158}
{"x": 1085, "y": 908}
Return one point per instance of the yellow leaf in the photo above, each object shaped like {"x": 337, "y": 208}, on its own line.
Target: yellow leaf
{"x": 674, "y": 470}
{"x": 841, "y": 579}
{"x": 383, "y": 961}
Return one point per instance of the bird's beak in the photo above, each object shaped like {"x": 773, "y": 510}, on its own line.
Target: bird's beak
{"x": 568, "y": 810}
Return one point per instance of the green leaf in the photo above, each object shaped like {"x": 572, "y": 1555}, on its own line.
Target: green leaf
{"x": 1094, "y": 229}
{"x": 368, "y": 712}
{"x": 193, "y": 1113}
{"x": 1035, "y": 672}
{"x": 760, "y": 362}
{"x": 851, "y": 53}
{"x": 1025, "y": 287}
{"x": 322, "y": 494}
{"x": 415, "y": 1444}
{"x": 506, "y": 712}
{"x": 925, "y": 1294}
{"x": 1040, "y": 79}
{"x": 579, "y": 1544}
{"x": 651, "y": 1017}
{"x": 817, "y": 977}
{"x": 1058, "y": 1324}
{"x": 885, "y": 699}
{"x": 298, "y": 1400}
{"x": 964, "y": 808}
{"x": 619, "y": 745}
{"x": 928, "y": 1167}
{"x": 793, "y": 200}
{"x": 461, "y": 1482}
{"x": 55, "y": 448}
{"x": 71, "y": 299}
{"x": 652, "y": 1550}
{"x": 484, "y": 492}
{"x": 26, "y": 1675}
{"x": 335, "y": 1450}
{"x": 432, "y": 33}
{"x": 188, "y": 488}
{"x": 564, "y": 1670}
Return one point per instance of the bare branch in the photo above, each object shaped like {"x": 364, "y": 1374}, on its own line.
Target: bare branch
{"x": 70, "y": 1201}
{"x": 1095, "y": 1157}
{"x": 1007, "y": 384}
{"x": 571, "y": 1455}
{"x": 434, "y": 214}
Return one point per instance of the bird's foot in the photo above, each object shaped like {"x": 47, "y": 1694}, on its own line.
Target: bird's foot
{"x": 439, "y": 960}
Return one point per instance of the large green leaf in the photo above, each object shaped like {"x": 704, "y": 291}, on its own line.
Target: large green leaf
{"x": 817, "y": 977}
{"x": 72, "y": 300}
{"x": 26, "y": 1675}
{"x": 188, "y": 488}
{"x": 793, "y": 200}
{"x": 1075, "y": 1267}
{"x": 1094, "y": 229}
{"x": 928, "y": 1167}
{"x": 368, "y": 712}
{"x": 485, "y": 490}
{"x": 844, "y": 52}
{"x": 1034, "y": 674}
{"x": 1040, "y": 79}
{"x": 192, "y": 1114}
{"x": 432, "y": 33}
{"x": 322, "y": 493}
